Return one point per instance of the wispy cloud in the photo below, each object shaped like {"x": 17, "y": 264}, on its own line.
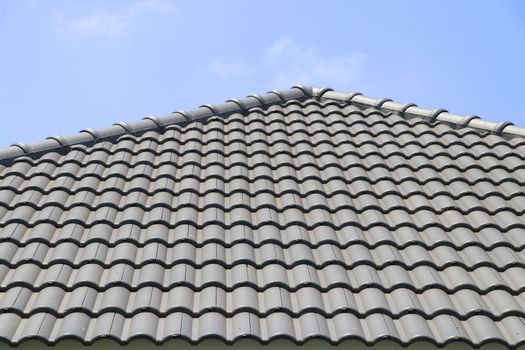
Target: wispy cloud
{"x": 99, "y": 25}
{"x": 232, "y": 69}
{"x": 110, "y": 25}
{"x": 286, "y": 62}
{"x": 294, "y": 63}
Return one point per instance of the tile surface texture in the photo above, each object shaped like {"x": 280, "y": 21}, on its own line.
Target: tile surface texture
{"x": 302, "y": 219}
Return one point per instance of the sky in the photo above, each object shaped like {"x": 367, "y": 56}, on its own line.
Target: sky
{"x": 68, "y": 65}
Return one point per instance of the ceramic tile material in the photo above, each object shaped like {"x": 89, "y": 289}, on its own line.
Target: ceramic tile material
{"x": 303, "y": 213}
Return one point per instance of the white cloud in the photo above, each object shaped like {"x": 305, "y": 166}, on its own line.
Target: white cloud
{"x": 235, "y": 68}
{"x": 100, "y": 24}
{"x": 159, "y": 6}
{"x": 294, "y": 63}
{"x": 286, "y": 62}
{"x": 110, "y": 25}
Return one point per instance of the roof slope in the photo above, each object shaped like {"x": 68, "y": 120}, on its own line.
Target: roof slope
{"x": 298, "y": 214}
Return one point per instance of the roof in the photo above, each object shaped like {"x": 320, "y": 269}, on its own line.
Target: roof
{"x": 296, "y": 93}
{"x": 298, "y": 214}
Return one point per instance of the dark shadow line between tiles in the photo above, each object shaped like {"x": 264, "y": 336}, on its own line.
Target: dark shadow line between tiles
{"x": 170, "y": 225}
{"x": 251, "y": 243}
{"x": 13, "y": 264}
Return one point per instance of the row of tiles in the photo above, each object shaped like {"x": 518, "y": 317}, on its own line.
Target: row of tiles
{"x": 422, "y": 219}
{"x": 400, "y": 238}
{"x": 347, "y": 161}
{"x": 234, "y": 156}
{"x": 232, "y": 131}
{"x": 452, "y": 278}
{"x": 332, "y": 130}
{"x": 366, "y": 114}
{"x": 279, "y": 141}
{"x": 136, "y": 153}
{"x": 408, "y": 128}
{"x": 357, "y": 187}
{"x": 333, "y": 202}
{"x": 357, "y": 181}
{"x": 237, "y": 127}
{"x": 216, "y": 128}
{"x": 462, "y": 304}
{"x": 442, "y": 329}
{"x": 148, "y": 151}
{"x": 146, "y": 155}
{"x": 470, "y": 258}
{"x": 264, "y": 160}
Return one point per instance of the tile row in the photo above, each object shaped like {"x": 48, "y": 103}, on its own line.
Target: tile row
{"x": 420, "y": 220}
{"x": 356, "y": 182}
{"x": 343, "y": 161}
{"x": 135, "y": 152}
{"x": 400, "y": 238}
{"x": 254, "y": 133}
{"x": 235, "y": 128}
{"x": 462, "y": 304}
{"x": 294, "y": 161}
{"x": 476, "y": 330}
{"x": 266, "y": 121}
{"x": 385, "y": 123}
{"x": 255, "y": 202}
{"x": 450, "y": 279}
{"x": 218, "y": 141}
{"x": 338, "y": 137}
{"x": 470, "y": 258}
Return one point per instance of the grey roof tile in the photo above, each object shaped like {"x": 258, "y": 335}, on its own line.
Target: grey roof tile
{"x": 315, "y": 217}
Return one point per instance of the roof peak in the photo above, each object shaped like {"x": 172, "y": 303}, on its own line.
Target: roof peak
{"x": 297, "y": 93}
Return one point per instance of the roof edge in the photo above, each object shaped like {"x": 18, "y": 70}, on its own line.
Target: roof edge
{"x": 409, "y": 110}
{"x": 86, "y": 136}
{"x": 297, "y": 93}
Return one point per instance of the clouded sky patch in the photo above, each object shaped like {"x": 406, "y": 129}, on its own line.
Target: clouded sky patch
{"x": 286, "y": 62}
{"x": 230, "y": 69}
{"x": 110, "y": 25}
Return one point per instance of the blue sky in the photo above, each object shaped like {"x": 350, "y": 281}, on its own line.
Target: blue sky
{"x": 67, "y": 65}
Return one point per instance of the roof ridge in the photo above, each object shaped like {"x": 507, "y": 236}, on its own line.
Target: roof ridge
{"x": 408, "y": 110}
{"x": 234, "y": 105}
{"x": 88, "y": 135}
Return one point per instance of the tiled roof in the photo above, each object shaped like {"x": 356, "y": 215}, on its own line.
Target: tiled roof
{"x": 303, "y": 213}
